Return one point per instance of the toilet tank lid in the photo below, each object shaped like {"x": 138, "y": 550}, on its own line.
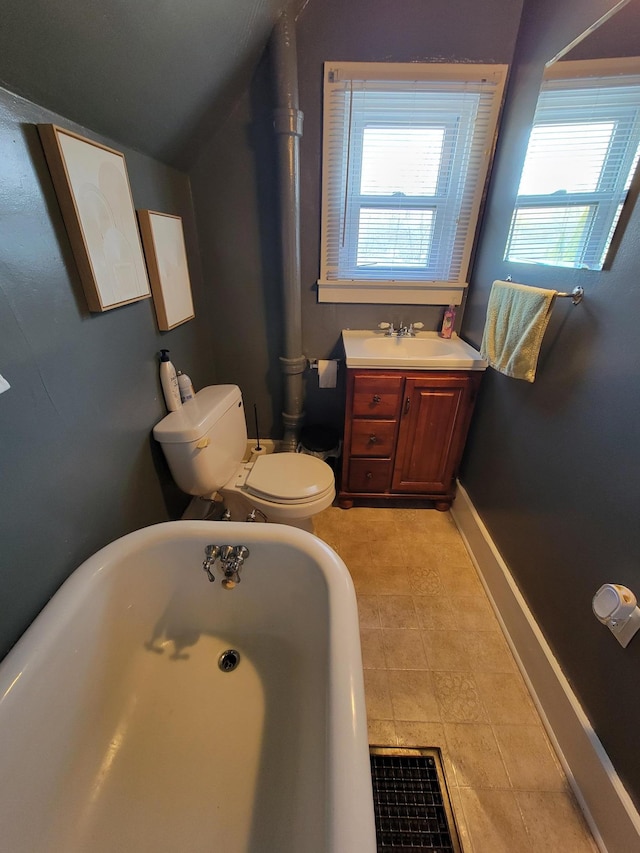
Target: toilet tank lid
{"x": 194, "y": 419}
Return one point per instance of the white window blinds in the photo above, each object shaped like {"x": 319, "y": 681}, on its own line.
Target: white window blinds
{"x": 405, "y": 159}
{"x": 581, "y": 157}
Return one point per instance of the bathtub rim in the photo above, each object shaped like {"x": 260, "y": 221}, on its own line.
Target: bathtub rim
{"x": 350, "y": 822}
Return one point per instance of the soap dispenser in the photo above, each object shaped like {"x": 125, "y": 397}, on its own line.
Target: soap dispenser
{"x": 448, "y": 320}
{"x": 169, "y": 382}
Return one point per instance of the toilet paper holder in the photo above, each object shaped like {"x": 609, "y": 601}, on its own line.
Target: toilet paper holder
{"x": 313, "y": 362}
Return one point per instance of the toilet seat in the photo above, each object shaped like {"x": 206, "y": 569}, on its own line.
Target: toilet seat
{"x": 290, "y": 478}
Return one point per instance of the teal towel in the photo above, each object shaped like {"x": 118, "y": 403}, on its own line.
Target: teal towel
{"x": 517, "y": 318}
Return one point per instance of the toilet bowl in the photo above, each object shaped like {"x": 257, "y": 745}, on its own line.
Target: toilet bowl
{"x": 204, "y": 444}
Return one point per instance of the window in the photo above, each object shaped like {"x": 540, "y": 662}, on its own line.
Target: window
{"x": 406, "y": 152}
{"x": 582, "y": 154}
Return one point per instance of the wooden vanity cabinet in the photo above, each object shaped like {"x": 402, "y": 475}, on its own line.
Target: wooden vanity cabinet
{"x": 405, "y": 433}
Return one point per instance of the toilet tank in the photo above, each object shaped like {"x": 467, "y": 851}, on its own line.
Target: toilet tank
{"x": 205, "y": 440}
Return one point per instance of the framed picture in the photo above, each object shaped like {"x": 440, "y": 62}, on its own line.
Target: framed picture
{"x": 92, "y": 186}
{"x": 163, "y": 241}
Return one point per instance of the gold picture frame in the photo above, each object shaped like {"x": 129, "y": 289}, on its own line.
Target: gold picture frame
{"x": 165, "y": 251}
{"x": 92, "y": 186}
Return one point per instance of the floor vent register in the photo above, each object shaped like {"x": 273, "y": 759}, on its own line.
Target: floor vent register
{"x": 412, "y": 806}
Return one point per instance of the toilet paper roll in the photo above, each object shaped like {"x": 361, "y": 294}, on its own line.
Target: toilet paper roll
{"x": 327, "y": 373}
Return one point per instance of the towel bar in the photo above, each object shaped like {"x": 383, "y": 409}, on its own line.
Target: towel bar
{"x": 577, "y": 294}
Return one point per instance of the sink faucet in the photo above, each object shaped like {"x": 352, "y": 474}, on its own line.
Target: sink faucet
{"x": 389, "y": 330}
{"x": 402, "y": 331}
{"x": 411, "y": 331}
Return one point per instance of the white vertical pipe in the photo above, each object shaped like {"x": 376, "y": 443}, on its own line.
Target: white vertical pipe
{"x": 288, "y": 127}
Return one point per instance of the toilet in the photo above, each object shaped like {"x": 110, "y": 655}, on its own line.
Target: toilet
{"x": 204, "y": 443}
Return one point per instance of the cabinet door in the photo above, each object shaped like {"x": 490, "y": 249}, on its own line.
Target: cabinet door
{"x": 435, "y": 417}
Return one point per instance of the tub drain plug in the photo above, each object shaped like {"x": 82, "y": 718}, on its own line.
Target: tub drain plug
{"x": 229, "y": 660}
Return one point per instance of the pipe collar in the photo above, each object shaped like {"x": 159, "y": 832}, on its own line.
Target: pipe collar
{"x": 288, "y": 121}
{"x": 293, "y": 365}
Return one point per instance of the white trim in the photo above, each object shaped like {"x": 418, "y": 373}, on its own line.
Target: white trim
{"x": 607, "y": 806}
{"x": 390, "y": 293}
{"x": 459, "y": 74}
{"x": 383, "y": 71}
{"x": 584, "y": 68}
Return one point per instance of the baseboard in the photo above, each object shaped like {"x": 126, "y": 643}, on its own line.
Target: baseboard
{"x": 609, "y": 810}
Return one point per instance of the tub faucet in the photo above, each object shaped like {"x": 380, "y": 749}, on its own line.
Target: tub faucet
{"x": 232, "y": 559}
{"x": 212, "y": 552}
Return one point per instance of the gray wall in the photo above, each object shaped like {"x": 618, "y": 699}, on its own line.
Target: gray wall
{"x": 553, "y": 467}
{"x": 155, "y": 75}
{"x": 235, "y": 196}
{"x": 78, "y": 467}
{"x": 235, "y": 190}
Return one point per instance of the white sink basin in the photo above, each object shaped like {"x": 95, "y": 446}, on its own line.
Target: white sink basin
{"x": 425, "y": 351}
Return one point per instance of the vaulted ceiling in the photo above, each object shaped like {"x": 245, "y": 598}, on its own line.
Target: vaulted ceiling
{"x": 153, "y": 74}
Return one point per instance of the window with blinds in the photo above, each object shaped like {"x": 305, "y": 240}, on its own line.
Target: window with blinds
{"x": 581, "y": 157}
{"x": 406, "y": 151}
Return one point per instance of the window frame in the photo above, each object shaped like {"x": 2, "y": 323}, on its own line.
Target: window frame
{"x": 400, "y": 286}
{"x": 608, "y": 198}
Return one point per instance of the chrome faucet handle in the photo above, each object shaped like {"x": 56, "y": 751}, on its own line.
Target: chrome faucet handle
{"x": 411, "y": 331}
{"x": 212, "y": 552}
{"x": 388, "y": 329}
{"x": 241, "y": 552}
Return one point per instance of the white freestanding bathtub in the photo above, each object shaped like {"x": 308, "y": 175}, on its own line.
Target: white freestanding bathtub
{"x": 119, "y": 731}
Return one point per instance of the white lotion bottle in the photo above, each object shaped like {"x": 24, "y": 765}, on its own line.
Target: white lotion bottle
{"x": 186, "y": 387}
{"x": 169, "y": 382}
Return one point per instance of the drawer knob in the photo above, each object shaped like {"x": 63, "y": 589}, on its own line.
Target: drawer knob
{"x": 377, "y": 398}
{"x": 373, "y": 439}
{"x": 369, "y": 475}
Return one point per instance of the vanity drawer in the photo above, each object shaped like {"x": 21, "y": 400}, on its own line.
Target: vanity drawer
{"x": 369, "y": 475}
{"x": 373, "y": 438}
{"x": 376, "y": 396}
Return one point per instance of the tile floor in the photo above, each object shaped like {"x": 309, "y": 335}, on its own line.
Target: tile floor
{"x": 433, "y": 678}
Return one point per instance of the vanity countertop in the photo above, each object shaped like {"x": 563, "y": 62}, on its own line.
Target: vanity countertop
{"x": 424, "y": 351}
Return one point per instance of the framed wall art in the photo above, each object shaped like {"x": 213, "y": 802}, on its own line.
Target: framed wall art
{"x": 92, "y": 187}
{"x": 164, "y": 248}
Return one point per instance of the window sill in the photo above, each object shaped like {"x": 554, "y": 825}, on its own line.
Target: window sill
{"x": 391, "y": 292}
